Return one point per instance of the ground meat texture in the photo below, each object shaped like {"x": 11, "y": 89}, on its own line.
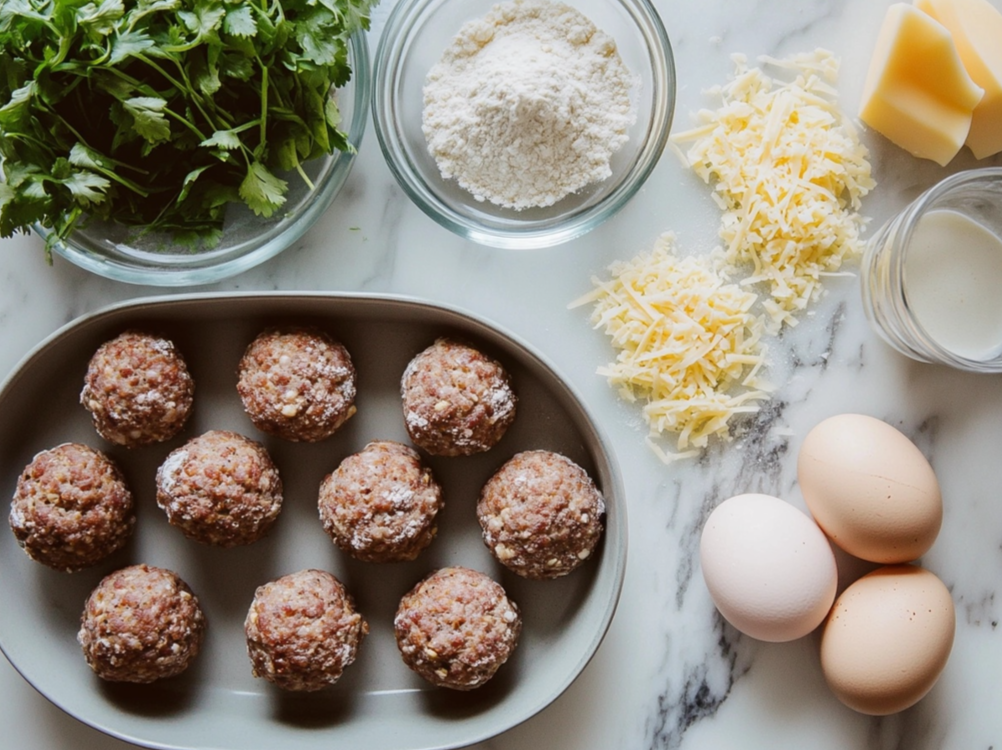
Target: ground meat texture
{"x": 541, "y": 514}
{"x": 71, "y": 508}
{"x": 141, "y": 624}
{"x": 380, "y": 504}
{"x": 456, "y": 400}
{"x": 220, "y": 488}
{"x": 456, "y": 628}
{"x": 138, "y": 390}
{"x": 303, "y": 631}
{"x": 297, "y": 384}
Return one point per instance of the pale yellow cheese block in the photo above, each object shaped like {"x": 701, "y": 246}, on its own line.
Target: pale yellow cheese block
{"x": 917, "y": 92}
{"x": 976, "y": 27}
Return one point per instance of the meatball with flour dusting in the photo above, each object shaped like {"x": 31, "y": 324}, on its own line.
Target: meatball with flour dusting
{"x": 141, "y": 624}
{"x": 220, "y": 488}
{"x": 380, "y": 505}
{"x": 297, "y": 384}
{"x": 71, "y": 507}
{"x": 303, "y": 631}
{"x": 138, "y": 389}
{"x": 541, "y": 514}
{"x": 456, "y": 628}
{"x": 457, "y": 401}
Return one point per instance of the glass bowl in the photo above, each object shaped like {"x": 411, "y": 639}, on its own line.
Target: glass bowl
{"x": 413, "y": 40}
{"x": 105, "y": 248}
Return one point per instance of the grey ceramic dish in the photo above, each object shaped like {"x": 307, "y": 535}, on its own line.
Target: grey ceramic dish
{"x": 378, "y": 704}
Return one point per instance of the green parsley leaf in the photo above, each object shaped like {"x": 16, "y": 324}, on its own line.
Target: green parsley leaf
{"x": 224, "y": 139}
{"x": 17, "y": 110}
{"x": 148, "y": 117}
{"x": 204, "y": 20}
{"x": 189, "y": 181}
{"x": 240, "y": 22}
{"x": 263, "y": 191}
{"x": 88, "y": 188}
{"x": 129, "y": 44}
{"x": 98, "y": 20}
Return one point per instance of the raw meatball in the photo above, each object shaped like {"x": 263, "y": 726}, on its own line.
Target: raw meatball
{"x": 138, "y": 390}
{"x": 456, "y": 628}
{"x": 71, "y": 508}
{"x": 380, "y": 504}
{"x": 302, "y": 630}
{"x": 297, "y": 384}
{"x": 541, "y": 514}
{"x": 141, "y": 624}
{"x": 457, "y": 401}
{"x": 220, "y": 488}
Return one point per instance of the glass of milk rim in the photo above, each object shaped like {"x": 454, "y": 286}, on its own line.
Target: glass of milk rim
{"x": 932, "y": 275}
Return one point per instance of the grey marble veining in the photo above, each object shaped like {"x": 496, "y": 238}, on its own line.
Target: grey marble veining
{"x": 671, "y": 673}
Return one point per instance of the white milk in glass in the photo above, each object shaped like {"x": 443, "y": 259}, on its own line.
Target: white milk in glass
{"x": 953, "y": 283}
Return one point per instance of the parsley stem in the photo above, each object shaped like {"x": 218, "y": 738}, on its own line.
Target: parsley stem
{"x": 170, "y": 79}
{"x": 186, "y": 122}
{"x": 201, "y": 102}
{"x": 306, "y": 179}
{"x": 264, "y": 101}
{"x": 65, "y": 44}
{"x": 44, "y": 106}
{"x": 185, "y": 89}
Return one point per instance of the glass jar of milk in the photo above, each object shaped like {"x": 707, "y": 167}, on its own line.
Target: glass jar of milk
{"x": 932, "y": 276}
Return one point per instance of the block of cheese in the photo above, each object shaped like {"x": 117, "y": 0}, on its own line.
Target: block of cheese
{"x": 917, "y": 91}
{"x": 976, "y": 28}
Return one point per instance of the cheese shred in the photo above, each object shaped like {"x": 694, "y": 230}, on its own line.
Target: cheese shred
{"x": 688, "y": 345}
{"x": 789, "y": 172}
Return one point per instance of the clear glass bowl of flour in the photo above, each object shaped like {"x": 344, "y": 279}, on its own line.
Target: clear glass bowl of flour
{"x": 413, "y": 41}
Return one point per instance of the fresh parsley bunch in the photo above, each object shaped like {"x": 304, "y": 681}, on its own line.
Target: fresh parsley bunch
{"x": 159, "y": 113}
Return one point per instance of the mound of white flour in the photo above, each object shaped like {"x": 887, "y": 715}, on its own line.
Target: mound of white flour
{"x": 527, "y": 104}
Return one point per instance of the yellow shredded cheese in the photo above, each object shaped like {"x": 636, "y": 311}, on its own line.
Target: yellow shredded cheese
{"x": 687, "y": 344}
{"x": 788, "y": 171}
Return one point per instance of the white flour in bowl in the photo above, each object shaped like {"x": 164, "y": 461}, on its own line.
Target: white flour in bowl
{"x": 527, "y": 105}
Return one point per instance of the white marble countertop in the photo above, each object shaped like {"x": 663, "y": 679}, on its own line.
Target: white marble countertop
{"x": 670, "y": 673}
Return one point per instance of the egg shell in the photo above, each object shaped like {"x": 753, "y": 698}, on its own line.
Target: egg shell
{"x": 870, "y": 488}
{"x": 769, "y": 568}
{"x": 887, "y": 639}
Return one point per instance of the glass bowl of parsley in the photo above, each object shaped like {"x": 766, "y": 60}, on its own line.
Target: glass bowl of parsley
{"x": 178, "y": 142}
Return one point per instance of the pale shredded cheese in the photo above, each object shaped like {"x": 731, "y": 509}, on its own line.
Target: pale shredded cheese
{"x": 788, "y": 171}
{"x": 688, "y": 345}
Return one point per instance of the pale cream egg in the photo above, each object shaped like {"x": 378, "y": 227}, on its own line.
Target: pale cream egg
{"x": 769, "y": 568}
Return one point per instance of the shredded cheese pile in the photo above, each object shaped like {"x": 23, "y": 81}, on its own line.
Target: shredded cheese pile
{"x": 687, "y": 343}
{"x": 789, "y": 171}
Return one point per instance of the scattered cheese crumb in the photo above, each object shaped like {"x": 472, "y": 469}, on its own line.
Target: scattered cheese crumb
{"x": 789, "y": 172}
{"x": 688, "y": 345}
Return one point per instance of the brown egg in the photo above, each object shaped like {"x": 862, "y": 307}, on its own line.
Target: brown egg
{"x": 870, "y": 489}
{"x": 887, "y": 639}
